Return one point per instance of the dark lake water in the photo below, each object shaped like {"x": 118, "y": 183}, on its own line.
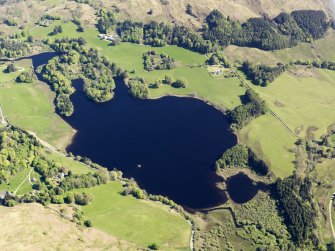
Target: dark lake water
{"x": 241, "y": 188}
{"x": 169, "y": 145}
{"x": 176, "y": 141}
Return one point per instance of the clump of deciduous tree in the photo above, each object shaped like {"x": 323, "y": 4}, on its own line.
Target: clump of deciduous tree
{"x": 138, "y": 88}
{"x": 25, "y": 77}
{"x": 251, "y": 108}
{"x": 262, "y": 74}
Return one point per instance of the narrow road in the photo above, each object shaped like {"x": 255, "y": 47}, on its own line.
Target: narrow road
{"x": 3, "y": 120}
{"x": 330, "y": 214}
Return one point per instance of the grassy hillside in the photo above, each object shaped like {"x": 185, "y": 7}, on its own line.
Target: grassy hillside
{"x": 30, "y": 107}
{"x": 139, "y": 221}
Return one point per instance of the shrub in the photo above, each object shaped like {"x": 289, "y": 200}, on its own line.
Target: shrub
{"x": 179, "y": 84}
{"x": 88, "y": 223}
{"x": 10, "y": 68}
{"x": 153, "y": 246}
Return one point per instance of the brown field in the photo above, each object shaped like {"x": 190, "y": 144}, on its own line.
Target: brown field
{"x": 34, "y": 227}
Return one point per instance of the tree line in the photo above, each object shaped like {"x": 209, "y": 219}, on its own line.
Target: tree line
{"x": 283, "y": 31}
{"x": 153, "y": 33}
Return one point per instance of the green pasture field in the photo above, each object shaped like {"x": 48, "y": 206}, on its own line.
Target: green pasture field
{"x": 138, "y": 221}
{"x": 306, "y": 104}
{"x": 7, "y": 77}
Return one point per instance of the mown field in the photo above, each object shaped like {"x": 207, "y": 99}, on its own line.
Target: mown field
{"x": 138, "y": 221}
{"x": 17, "y": 180}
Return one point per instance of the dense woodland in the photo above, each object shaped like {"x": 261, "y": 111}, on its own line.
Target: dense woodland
{"x": 284, "y": 31}
{"x": 241, "y": 156}
{"x": 20, "y": 151}
{"x": 75, "y": 61}
{"x": 296, "y": 199}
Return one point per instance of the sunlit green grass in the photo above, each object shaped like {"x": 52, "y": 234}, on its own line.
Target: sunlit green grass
{"x": 303, "y": 102}
{"x": 271, "y": 142}
{"x": 30, "y": 107}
